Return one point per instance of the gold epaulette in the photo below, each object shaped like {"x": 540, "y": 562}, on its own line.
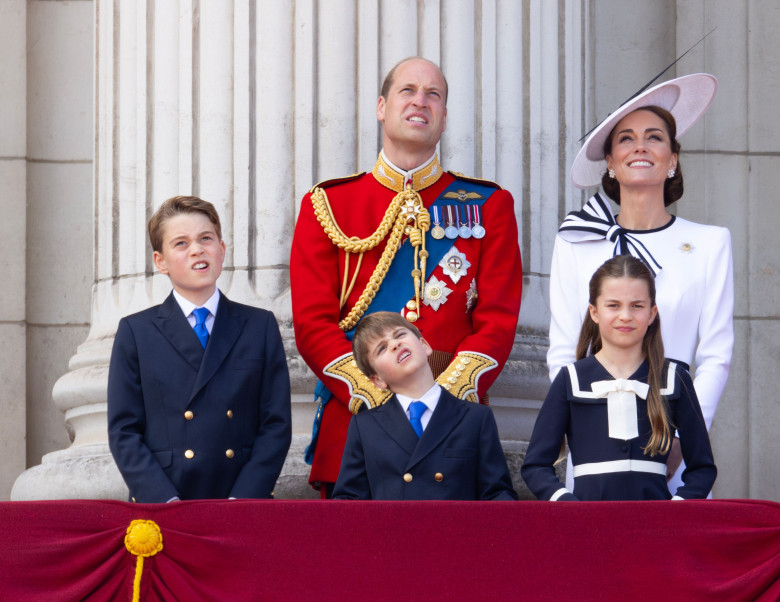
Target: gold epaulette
{"x": 362, "y": 391}
{"x": 461, "y": 376}
{"x": 461, "y": 176}
{"x": 334, "y": 181}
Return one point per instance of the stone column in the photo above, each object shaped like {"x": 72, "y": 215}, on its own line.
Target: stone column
{"x": 13, "y": 196}
{"x": 248, "y": 104}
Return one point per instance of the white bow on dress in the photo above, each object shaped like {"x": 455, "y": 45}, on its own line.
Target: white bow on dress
{"x": 621, "y": 405}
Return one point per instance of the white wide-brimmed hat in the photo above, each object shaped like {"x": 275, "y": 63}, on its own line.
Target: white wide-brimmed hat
{"x": 686, "y": 98}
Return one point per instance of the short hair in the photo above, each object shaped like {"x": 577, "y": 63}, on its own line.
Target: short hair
{"x": 370, "y": 328}
{"x": 176, "y": 206}
{"x": 673, "y": 187}
{"x": 388, "y": 83}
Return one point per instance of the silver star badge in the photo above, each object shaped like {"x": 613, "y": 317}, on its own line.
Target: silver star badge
{"x": 454, "y": 264}
{"x": 435, "y": 293}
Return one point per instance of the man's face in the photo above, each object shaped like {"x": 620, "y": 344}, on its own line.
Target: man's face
{"x": 414, "y": 114}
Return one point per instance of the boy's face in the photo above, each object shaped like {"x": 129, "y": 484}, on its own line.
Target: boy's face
{"x": 397, "y": 356}
{"x": 192, "y": 256}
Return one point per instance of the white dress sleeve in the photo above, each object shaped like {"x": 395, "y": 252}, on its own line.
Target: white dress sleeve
{"x": 565, "y": 320}
{"x": 716, "y": 329}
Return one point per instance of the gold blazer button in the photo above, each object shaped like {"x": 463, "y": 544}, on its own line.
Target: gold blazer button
{"x": 189, "y": 454}
{"x": 229, "y": 453}
{"x": 189, "y": 415}
{"x": 408, "y": 477}
{"x": 438, "y": 477}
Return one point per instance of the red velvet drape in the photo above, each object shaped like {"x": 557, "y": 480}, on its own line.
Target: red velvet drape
{"x": 312, "y": 550}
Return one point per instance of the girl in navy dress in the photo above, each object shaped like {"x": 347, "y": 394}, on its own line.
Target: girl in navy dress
{"x": 620, "y": 404}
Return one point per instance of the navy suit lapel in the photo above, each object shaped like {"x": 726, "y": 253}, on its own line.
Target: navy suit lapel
{"x": 447, "y": 415}
{"x": 228, "y": 325}
{"x": 393, "y": 420}
{"x": 173, "y": 325}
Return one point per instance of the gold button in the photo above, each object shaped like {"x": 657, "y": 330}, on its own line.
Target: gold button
{"x": 188, "y": 415}
{"x": 229, "y": 453}
{"x": 439, "y": 477}
{"x": 456, "y": 373}
{"x": 411, "y": 316}
{"x": 133, "y": 500}
{"x": 230, "y": 413}
{"x": 460, "y": 366}
{"x": 408, "y": 477}
{"x": 189, "y": 454}
{"x": 466, "y": 360}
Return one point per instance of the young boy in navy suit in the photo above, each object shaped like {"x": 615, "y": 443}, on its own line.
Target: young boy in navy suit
{"x": 423, "y": 443}
{"x": 198, "y": 389}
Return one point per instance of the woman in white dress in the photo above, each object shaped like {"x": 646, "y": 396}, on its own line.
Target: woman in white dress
{"x": 634, "y": 155}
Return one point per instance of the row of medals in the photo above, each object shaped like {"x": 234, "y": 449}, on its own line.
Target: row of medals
{"x": 463, "y": 224}
{"x": 456, "y": 227}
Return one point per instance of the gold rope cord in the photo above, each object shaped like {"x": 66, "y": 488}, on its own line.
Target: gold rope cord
{"x": 343, "y": 297}
{"x": 406, "y": 206}
{"x": 143, "y": 539}
{"x": 345, "y": 294}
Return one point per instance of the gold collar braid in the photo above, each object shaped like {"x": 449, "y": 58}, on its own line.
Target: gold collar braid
{"x": 386, "y": 174}
{"x": 405, "y": 215}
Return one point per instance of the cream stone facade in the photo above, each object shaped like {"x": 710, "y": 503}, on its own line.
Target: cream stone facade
{"x": 112, "y": 106}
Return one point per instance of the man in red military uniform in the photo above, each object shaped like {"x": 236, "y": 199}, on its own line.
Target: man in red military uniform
{"x": 408, "y": 237}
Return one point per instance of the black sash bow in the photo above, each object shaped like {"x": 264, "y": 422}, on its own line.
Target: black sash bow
{"x": 594, "y": 222}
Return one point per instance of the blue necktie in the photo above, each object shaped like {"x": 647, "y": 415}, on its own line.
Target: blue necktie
{"x": 416, "y": 410}
{"x": 200, "y": 325}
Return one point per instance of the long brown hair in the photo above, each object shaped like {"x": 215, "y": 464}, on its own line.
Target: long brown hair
{"x": 626, "y": 266}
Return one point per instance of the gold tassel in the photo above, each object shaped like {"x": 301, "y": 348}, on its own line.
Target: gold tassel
{"x": 143, "y": 539}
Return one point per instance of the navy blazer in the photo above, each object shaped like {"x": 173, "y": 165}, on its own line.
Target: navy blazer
{"x": 195, "y": 423}
{"x": 458, "y": 457}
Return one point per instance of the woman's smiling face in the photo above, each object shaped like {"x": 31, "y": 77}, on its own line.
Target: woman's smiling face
{"x": 641, "y": 153}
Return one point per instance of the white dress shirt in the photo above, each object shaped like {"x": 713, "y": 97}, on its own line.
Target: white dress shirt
{"x": 430, "y": 399}
{"x": 188, "y": 306}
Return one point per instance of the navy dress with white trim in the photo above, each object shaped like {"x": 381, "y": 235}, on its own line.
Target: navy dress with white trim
{"x": 607, "y": 468}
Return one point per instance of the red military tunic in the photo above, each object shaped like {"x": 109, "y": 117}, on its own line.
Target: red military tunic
{"x": 478, "y": 315}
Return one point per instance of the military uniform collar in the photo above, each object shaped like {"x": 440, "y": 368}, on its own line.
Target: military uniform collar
{"x": 394, "y": 177}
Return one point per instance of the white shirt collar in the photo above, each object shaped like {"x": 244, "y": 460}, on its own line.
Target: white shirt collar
{"x": 187, "y": 306}
{"x": 406, "y": 174}
{"x": 430, "y": 398}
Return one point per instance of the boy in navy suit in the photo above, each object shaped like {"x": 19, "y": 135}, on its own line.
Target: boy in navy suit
{"x": 198, "y": 389}
{"x": 423, "y": 443}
